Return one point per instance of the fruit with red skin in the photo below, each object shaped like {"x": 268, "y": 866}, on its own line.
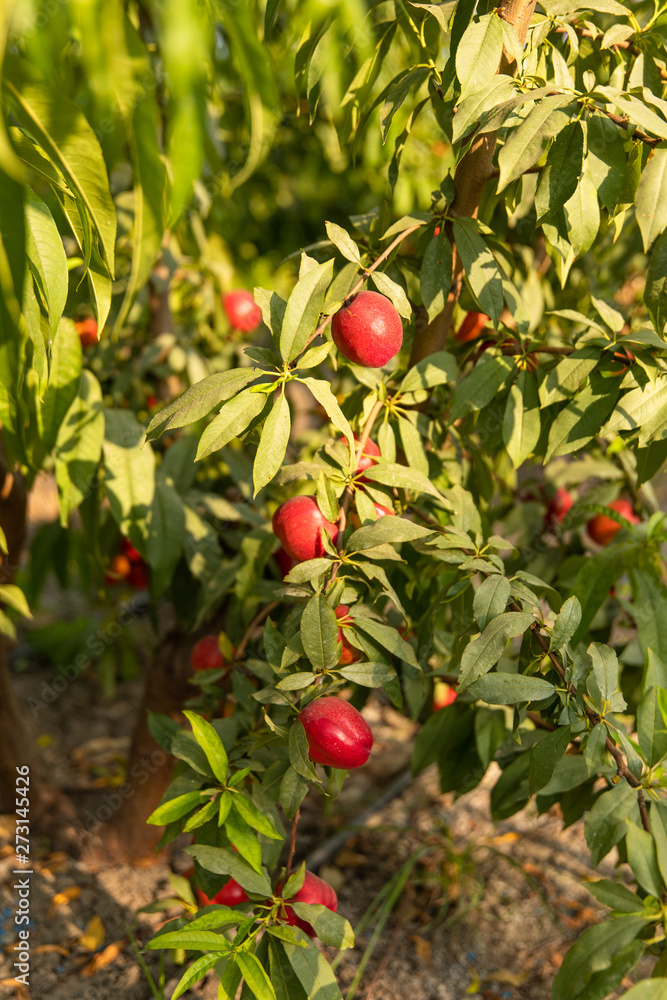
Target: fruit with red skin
{"x": 87, "y": 330}
{"x": 603, "y": 529}
{"x": 284, "y": 560}
{"x": 349, "y": 653}
{"x": 151, "y": 401}
{"x": 138, "y": 575}
{"x": 313, "y": 890}
{"x": 242, "y": 311}
{"x": 443, "y": 695}
{"x": 471, "y": 327}
{"x": 368, "y": 330}
{"x": 231, "y": 894}
{"x": 206, "y": 655}
{"x": 338, "y": 735}
{"x": 298, "y": 524}
{"x": 380, "y": 511}
{"x": 559, "y": 506}
{"x": 368, "y": 455}
{"x": 128, "y": 549}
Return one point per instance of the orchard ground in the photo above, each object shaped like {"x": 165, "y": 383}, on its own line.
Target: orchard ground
{"x": 514, "y": 892}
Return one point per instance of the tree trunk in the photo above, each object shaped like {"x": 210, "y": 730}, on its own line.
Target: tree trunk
{"x": 117, "y": 828}
{"x": 471, "y": 177}
{"x": 51, "y": 812}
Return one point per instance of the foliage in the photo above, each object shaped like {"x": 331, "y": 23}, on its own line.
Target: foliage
{"x": 131, "y": 146}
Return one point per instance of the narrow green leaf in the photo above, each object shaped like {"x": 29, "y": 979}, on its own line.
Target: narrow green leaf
{"x": 211, "y": 744}
{"x": 233, "y": 419}
{"x": 319, "y": 633}
{"x": 521, "y": 423}
{"x": 481, "y": 268}
{"x": 566, "y": 624}
{"x": 491, "y": 599}
{"x": 273, "y": 443}
{"x": 478, "y": 53}
{"x": 435, "y": 276}
{"x": 483, "y": 653}
{"x": 545, "y": 756}
{"x": 79, "y": 446}
{"x": 313, "y": 971}
{"x": 509, "y": 689}
{"x": 303, "y": 309}
{"x": 222, "y": 861}
{"x": 655, "y": 292}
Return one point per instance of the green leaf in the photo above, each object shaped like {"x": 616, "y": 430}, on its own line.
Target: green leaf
{"x": 165, "y": 523}
{"x": 526, "y": 144}
{"x": 79, "y": 446}
{"x": 397, "y": 93}
{"x": 651, "y": 197}
{"x": 255, "y": 818}
{"x": 255, "y": 975}
{"x": 60, "y": 128}
{"x": 200, "y": 399}
{"x": 658, "y": 824}
{"x": 483, "y": 384}
{"x": 545, "y": 756}
{"x": 566, "y": 624}
{"x": 655, "y": 292}
{"x": 387, "y": 637}
{"x": 208, "y": 739}
{"x": 13, "y": 596}
{"x": 605, "y": 822}
{"x": 331, "y": 928}
{"x": 490, "y": 599}
{"x": 582, "y": 216}
{"x": 605, "y": 668}
{"x": 643, "y": 860}
{"x": 509, "y": 689}
{"x": 481, "y": 267}
{"x": 285, "y": 983}
{"x": 195, "y": 940}
{"x": 273, "y": 443}
{"x": 394, "y": 292}
{"x": 64, "y": 381}
{"x": 386, "y": 529}
{"x": 315, "y": 355}
{"x": 484, "y": 652}
{"x": 196, "y": 971}
{"x": 299, "y": 752}
{"x": 435, "y": 276}
{"x": 647, "y": 989}
{"x": 230, "y": 980}
{"x": 343, "y": 242}
{"x": 595, "y": 952}
{"x": 319, "y": 633}
{"x": 293, "y": 790}
{"x": 175, "y": 808}
{"x": 234, "y": 417}
{"x": 368, "y": 674}
{"x": 46, "y": 257}
{"x": 606, "y": 159}
{"x": 651, "y": 728}
{"x": 321, "y": 390}
{"x": 398, "y": 475}
{"x": 478, "y": 53}
{"x": 471, "y": 109}
{"x": 580, "y": 420}
{"x": 521, "y": 424}
{"x": 437, "y": 369}
{"x": 129, "y": 472}
{"x": 616, "y": 895}
{"x": 558, "y": 180}
{"x": 643, "y": 409}
{"x": 313, "y": 971}
{"x": 303, "y": 309}
{"x": 222, "y": 861}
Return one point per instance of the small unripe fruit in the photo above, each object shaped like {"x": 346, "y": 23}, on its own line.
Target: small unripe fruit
{"x": 559, "y": 506}
{"x": 298, "y": 525}
{"x": 349, "y": 653}
{"x": 242, "y": 311}
{"x": 206, "y": 654}
{"x": 338, "y": 735}
{"x": 603, "y": 529}
{"x": 471, "y": 327}
{"x": 443, "y": 695}
{"x": 313, "y": 890}
{"x": 368, "y": 330}
{"x": 87, "y": 330}
{"x": 119, "y": 569}
{"x": 231, "y": 894}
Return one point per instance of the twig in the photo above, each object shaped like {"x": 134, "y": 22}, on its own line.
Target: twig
{"x": 625, "y": 123}
{"x": 292, "y": 845}
{"x": 257, "y": 620}
{"x": 367, "y": 270}
{"x": 349, "y": 490}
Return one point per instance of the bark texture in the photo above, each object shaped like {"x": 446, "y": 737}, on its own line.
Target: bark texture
{"x": 470, "y": 179}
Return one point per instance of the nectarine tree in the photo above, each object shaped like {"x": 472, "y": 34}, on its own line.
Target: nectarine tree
{"x": 521, "y": 472}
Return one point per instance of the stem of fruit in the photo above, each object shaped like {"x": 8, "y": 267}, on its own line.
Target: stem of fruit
{"x": 257, "y": 620}
{"x": 367, "y": 270}
{"x": 349, "y": 489}
{"x": 292, "y": 845}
